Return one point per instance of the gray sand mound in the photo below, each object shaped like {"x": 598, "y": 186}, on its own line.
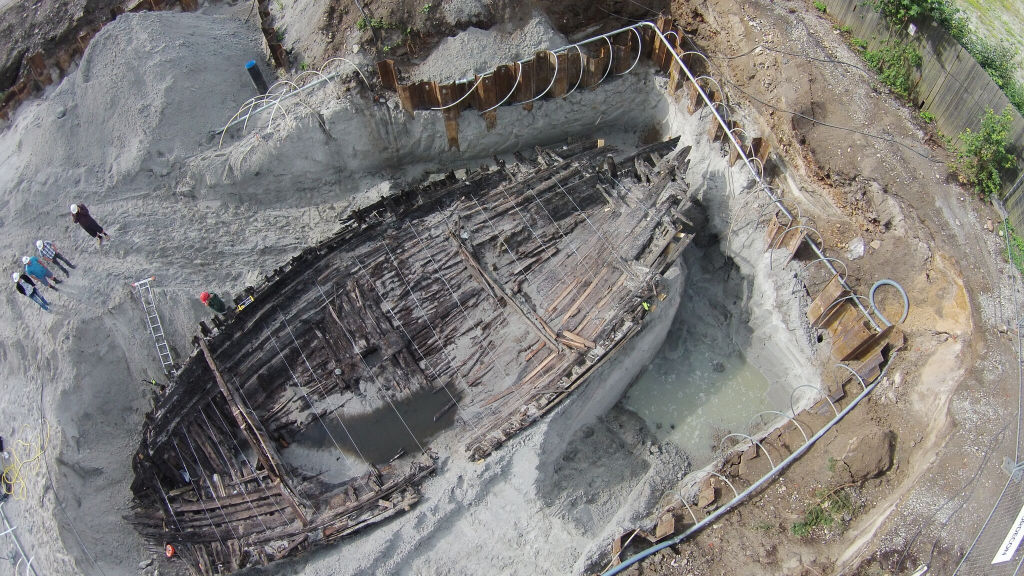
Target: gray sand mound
{"x": 148, "y": 91}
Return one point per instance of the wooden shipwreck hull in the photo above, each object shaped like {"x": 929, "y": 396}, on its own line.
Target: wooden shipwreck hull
{"x": 498, "y": 292}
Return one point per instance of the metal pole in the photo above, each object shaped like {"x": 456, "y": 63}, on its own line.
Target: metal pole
{"x": 17, "y": 543}
{"x": 746, "y": 160}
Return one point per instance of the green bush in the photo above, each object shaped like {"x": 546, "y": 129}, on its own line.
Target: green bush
{"x": 859, "y": 43}
{"x": 820, "y": 6}
{"x": 1016, "y": 252}
{"x": 846, "y": 29}
{"x": 981, "y": 155}
{"x": 375, "y": 23}
{"x": 831, "y": 507}
{"x": 1000, "y": 61}
{"x": 927, "y": 116}
{"x": 895, "y": 63}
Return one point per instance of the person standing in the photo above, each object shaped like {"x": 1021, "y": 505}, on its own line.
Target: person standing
{"x": 80, "y": 215}
{"x": 35, "y": 269}
{"x": 213, "y": 302}
{"x": 48, "y": 250}
{"x": 24, "y": 285}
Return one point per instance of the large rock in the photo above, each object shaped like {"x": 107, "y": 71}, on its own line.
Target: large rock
{"x": 868, "y": 454}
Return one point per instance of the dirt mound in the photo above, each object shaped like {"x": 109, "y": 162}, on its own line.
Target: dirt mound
{"x": 867, "y": 454}
{"x": 150, "y": 88}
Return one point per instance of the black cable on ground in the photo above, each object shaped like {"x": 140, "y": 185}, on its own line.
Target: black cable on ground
{"x": 648, "y": 8}
{"x": 53, "y": 485}
{"x": 797, "y": 55}
{"x": 973, "y": 478}
{"x": 617, "y": 15}
{"x": 888, "y": 139}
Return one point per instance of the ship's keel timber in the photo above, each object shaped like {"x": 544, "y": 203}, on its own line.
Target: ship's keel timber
{"x": 495, "y": 294}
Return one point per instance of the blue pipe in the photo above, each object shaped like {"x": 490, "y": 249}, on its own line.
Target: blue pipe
{"x": 753, "y": 487}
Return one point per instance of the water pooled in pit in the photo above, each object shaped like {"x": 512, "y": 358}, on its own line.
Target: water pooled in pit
{"x": 377, "y": 436}
{"x": 700, "y": 386}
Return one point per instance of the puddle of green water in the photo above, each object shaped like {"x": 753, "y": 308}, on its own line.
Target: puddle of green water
{"x": 700, "y": 386}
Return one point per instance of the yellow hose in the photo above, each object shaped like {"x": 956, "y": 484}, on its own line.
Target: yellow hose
{"x": 16, "y": 467}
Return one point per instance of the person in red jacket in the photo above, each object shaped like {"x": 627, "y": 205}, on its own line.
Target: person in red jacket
{"x": 80, "y": 215}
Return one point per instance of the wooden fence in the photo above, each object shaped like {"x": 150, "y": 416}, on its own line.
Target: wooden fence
{"x": 950, "y": 84}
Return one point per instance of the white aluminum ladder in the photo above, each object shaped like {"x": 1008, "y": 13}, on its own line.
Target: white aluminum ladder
{"x": 145, "y": 288}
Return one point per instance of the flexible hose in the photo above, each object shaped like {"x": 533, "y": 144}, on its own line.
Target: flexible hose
{"x": 13, "y": 482}
{"x": 903, "y": 294}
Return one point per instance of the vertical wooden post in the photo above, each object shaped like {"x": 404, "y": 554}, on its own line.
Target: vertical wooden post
{"x": 562, "y": 77}
{"x": 525, "y": 90}
{"x": 388, "y": 75}
{"x": 487, "y": 97}
{"x": 445, "y": 96}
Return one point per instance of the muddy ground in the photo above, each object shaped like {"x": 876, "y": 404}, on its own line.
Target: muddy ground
{"x": 947, "y": 398}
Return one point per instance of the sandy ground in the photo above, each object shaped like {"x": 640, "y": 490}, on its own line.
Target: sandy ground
{"x": 129, "y": 134}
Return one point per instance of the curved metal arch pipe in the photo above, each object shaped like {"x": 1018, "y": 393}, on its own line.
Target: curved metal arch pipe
{"x": 639, "y": 51}
{"x": 805, "y": 227}
{"x": 251, "y": 102}
{"x": 727, "y": 481}
{"x": 751, "y": 438}
{"x": 819, "y": 391}
{"x": 611, "y": 58}
{"x": 350, "y": 63}
{"x": 303, "y": 74}
{"x": 679, "y": 496}
{"x": 854, "y": 372}
{"x": 761, "y": 164}
{"x": 286, "y": 82}
{"x": 830, "y": 259}
{"x": 552, "y": 83}
{"x": 464, "y": 96}
{"x": 519, "y": 75}
{"x": 784, "y": 415}
{"x": 698, "y": 54}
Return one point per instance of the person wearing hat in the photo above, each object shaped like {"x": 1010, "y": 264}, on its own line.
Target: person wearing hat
{"x": 80, "y": 215}
{"x": 48, "y": 250}
{"x": 24, "y": 285}
{"x": 36, "y": 269}
{"x": 213, "y": 302}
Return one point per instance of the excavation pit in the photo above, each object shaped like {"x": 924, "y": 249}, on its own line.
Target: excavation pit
{"x": 542, "y": 411}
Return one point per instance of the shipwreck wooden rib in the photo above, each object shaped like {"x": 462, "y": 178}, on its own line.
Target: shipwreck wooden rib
{"x": 501, "y": 291}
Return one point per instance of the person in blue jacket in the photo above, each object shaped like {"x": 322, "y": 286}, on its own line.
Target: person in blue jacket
{"x": 36, "y": 269}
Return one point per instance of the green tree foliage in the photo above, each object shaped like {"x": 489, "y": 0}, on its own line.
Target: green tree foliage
{"x": 981, "y": 155}
{"x": 895, "y": 63}
{"x": 1000, "y": 61}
